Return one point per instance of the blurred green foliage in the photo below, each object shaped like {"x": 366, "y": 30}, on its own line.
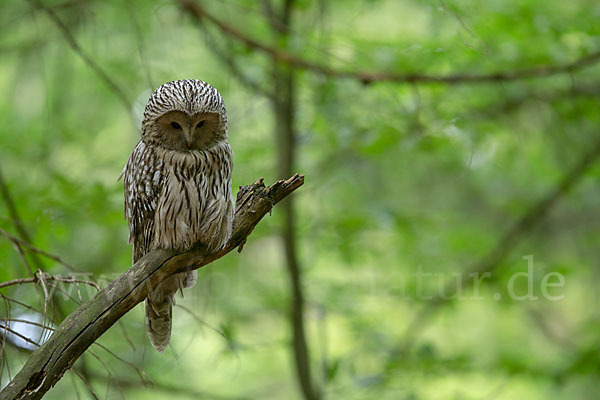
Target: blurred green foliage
{"x": 400, "y": 178}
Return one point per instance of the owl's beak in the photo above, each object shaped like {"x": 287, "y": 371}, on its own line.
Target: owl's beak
{"x": 188, "y": 135}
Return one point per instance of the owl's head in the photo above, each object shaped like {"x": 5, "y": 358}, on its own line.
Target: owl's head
{"x": 185, "y": 115}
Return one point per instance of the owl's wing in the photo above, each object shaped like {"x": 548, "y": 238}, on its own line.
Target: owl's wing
{"x": 143, "y": 179}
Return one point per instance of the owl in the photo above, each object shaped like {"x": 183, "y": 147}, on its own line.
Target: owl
{"x": 177, "y": 185}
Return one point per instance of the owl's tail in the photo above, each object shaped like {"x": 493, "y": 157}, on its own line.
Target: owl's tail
{"x": 158, "y": 320}
{"x": 159, "y": 308}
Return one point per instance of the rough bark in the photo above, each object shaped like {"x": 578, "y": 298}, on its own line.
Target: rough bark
{"x": 46, "y": 366}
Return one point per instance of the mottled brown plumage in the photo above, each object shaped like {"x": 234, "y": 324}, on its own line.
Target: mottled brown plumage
{"x": 177, "y": 185}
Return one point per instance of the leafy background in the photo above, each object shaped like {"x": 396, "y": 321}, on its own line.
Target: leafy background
{"x": 402, "y": 179}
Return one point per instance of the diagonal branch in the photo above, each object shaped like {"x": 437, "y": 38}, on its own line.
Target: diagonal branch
{"x": 46, "y": 366}
{"x": 511, "y": 238}
{"x": 236, "y": 70}
{"x": 198, "y": 12}
{"x": 84, "y": 56}
{"x": 16, "y": 220}
{"x": 32, "y": 249}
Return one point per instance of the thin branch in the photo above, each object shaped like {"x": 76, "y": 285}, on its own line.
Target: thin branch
{"x": 12, "y": 209}
{"x": 15, "y": 219}
{"x": 510, "y": 239}
{"x": 25, "y": 321}
{"x": 140, "y": 43}
{"x": 198, "y": 12}
{"x": 84, "y": 56}
{"x": 235, "y": 69}
{"x": 42, "y": 281}
{"x": 26, "y": 244}
{"x": 85, "y": 383}
{"x": 68, "y": 295}
{"x": 20, "y": 303}
{"x": 26, "y": 262}
{"x": 110, "y": 375}
{"x": 145, "y": 379}
{"x": 23, "y": 257}
{"x": 25, "y": 338}
{"x": 3, "y": 359}
{"x": 41, "y": 277}
{"x": 126, "y": 336}
{"x": 270, "y": 15}
{"x": 46, "y": 366}
{"x": 286, "y": 14}
{"x": 171, "y": 389}
{"x": 458, "y": 19}
{"x": 72, "y": 374}
{"x": 201, "y": 322}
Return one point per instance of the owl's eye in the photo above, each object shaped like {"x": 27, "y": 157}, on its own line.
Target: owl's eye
{"x": 200, "y": 124}
{"x": 175, "y": 125}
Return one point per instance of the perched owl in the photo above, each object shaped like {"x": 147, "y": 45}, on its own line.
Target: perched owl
{"x": 177, "y": 185}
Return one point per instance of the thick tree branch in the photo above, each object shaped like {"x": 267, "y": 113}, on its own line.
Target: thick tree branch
{"x": 198, "y": 12}
{"x": 46, "y": 366}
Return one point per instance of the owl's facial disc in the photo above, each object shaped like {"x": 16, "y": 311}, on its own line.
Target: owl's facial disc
{"x": 184, "y": 132}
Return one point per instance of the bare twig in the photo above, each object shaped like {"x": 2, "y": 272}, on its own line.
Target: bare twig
{"x": 41, "y": 277}
{"x": 85, "y": 383}
{"x": 236, "y": 70}
{"x": 26, "y": 244}
{"x": 12, "y": 331}
{"x": 199, "y": 12}
{"x": 42, "y": 281}
{"x": 74, "y": 383}
{"x": 140, "y": 43}
{"x": 21, "y": 253}
{"x": 201, "y": 321}
{"x": 20, "y": 303}
{"x": 143, "y": 377}
{"x": 110, "y": 374}
{"x": 46, "y": 366}
{"x": 458, "y": 19}
{"x": 3, "y": 360}
{"x": 23, "y": 257}
{"x": 25, "y": 321}
{"x": 12, "y": 210}
{"x": 172, "y": 389}
{"x": 16, "y": 221}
